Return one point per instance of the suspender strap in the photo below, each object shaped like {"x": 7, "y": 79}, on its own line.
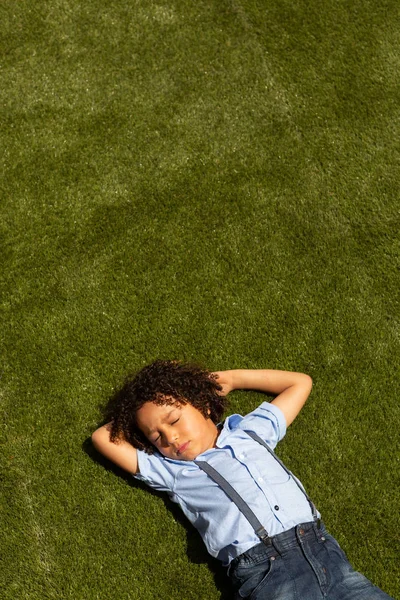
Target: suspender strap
{"x": 236, "y": 498}
{"x": 312, "y": 505}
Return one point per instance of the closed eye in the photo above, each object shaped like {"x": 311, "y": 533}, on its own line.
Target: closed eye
{"x": 158, "y": 437}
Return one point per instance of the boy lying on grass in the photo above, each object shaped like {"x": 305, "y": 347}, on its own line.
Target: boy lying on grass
{"x": 252, "y": 513}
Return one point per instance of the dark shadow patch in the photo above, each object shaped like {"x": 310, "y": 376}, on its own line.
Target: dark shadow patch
{"x": 195, "y": 548}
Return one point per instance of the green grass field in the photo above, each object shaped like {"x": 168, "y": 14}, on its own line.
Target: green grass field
{"x": 209, "y": 181}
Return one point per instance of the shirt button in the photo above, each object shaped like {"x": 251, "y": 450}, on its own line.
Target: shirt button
{"x": 241, "y": 456}
{"x": 260, "y": 480}
{"x": 276, "y": 507}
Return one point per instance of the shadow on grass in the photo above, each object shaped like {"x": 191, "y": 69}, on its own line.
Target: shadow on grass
{"x": 195, "y": 548}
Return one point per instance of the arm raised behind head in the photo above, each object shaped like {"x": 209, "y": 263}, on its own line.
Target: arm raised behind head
{"x": 291, "y": 389}
{"x": 121, "y": 453}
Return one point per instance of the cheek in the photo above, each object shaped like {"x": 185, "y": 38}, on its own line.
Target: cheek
{"x": 201, "y": 424}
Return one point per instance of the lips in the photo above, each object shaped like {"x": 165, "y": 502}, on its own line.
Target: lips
{"x": 182, "y": 448}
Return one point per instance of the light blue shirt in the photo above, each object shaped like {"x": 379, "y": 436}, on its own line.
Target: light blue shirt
{"x": 264, "y": 485}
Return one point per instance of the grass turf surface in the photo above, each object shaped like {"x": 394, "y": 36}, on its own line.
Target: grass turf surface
{"x": 214, "y": 181}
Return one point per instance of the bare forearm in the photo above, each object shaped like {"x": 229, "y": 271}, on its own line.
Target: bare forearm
{"x": 122, "y": 454}
{"x": 264, "y": 380}
{"x": 267, "y": 380}
{"x": 290, "y": 388}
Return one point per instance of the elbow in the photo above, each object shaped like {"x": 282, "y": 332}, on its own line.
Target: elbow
{"x": 308, "y": 383}
{"x": 100, "y": 437}
{"x": 96, "y": 438}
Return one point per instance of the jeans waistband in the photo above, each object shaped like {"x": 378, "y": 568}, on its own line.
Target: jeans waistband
{"x": 280, "y": 543}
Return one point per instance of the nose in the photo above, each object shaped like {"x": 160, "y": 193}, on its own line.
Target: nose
{"x": 170, "y": 438}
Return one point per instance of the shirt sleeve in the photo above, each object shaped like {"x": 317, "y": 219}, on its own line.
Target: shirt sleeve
{"x": 268, "y": 421}
{"x": 154, "y": 471}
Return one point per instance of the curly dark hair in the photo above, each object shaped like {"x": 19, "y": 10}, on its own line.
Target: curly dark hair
{"x": 162, "y": 382}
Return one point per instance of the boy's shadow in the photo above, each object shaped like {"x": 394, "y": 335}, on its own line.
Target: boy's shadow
{"x": 195, "y": 546}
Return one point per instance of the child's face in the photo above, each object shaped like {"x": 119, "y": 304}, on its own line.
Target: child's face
{"x": 178, "y": 431}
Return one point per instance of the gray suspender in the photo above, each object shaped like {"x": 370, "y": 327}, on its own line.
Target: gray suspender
{"x": 260, "y": 441}
{"x": 238, "y": 500}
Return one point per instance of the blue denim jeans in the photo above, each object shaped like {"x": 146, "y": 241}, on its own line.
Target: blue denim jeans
{"x": 304, "y": 563}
